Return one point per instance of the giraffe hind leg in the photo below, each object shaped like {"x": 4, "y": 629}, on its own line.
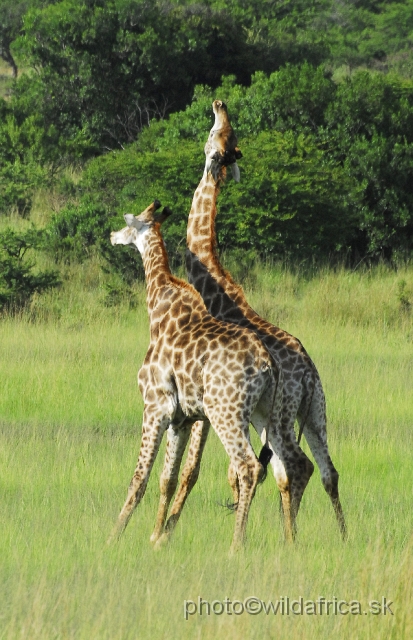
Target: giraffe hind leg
{"x": 189, "y": 476}
{"x": 234, "y": 484}
{"x": 313, "y": 423}
{"x": 329, "y": 474}
{"x": 177, "y": 438}
{"x": 292, "y": 468}
{"x": 264, "y": 458}
{"x": 249, "y": 471}
{"x": 153, "y": 428}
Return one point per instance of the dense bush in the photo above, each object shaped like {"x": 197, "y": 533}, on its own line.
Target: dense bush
{"x": 291, "y": 199}
{"x": 325, "y": 173}
{"x": 363, "y": 125}
{"x": 127, "y": 182}
{"x": 77, "y": 233}
{"x": 18, "y": 281}
{"x": 327, "y": 155}
{"x": 106, "y": 68}
{"x": 29, "y": 156}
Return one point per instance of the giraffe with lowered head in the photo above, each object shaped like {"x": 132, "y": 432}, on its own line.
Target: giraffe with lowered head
{"x": 200, "y": 368}
{"x": 303, "y": 396}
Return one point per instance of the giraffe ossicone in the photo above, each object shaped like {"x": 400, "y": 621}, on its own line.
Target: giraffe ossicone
{"x": 198, "y": 368}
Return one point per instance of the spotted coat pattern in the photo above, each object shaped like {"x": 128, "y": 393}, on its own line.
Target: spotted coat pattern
{"x": 200, "y": 368}
{"x": 303, "y": 396}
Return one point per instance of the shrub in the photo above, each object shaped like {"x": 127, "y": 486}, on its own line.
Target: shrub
{"x": 18, "y": 282}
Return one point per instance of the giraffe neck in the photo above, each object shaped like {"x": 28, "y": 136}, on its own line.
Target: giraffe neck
{"x": 222, "y": 296}
{"x": 200, "y": 236}
{"x": 156, "y": 265}
{"x": 163, "y": 288}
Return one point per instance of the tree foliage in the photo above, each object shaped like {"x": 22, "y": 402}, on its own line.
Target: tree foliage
{"x": 106, "y": 68}
{"x": 290, "y": 200}
{"x": 11, "y": 19}
{"x": 326, "y": 131}
{"x": 326, "y": 168}
{"x": 18, "y": 281}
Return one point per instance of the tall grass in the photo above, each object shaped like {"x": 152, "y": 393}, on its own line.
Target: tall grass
{"x": 69, "y": 435}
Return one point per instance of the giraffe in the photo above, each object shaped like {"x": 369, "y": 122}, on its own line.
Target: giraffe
{"x": 200, "y": 368}
{"x": 303, "y": 396}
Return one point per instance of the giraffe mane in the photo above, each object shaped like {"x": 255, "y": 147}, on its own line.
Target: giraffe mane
{"x": 175, "y": 281}
{"x": 182, "y": 284}
{"x": 214, "y": 244}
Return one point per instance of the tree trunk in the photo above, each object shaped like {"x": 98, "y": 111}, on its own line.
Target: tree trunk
{"x": 6, "y": 54}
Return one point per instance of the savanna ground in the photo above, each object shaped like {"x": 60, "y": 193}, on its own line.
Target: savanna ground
{"x": 70, "y": 425}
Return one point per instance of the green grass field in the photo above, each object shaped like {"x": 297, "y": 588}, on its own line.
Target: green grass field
{"x": 70, "y": 418}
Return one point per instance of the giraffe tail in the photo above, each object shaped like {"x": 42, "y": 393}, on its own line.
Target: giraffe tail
{"x": 230, "y": 506}
{"x": 265, "y": 457}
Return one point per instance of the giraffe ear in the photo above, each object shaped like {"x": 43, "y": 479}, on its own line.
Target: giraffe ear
{"x": 166, "y": 212}
{"x": 235, "y": 172}
{"x": 161, "y": 217}
{"x": 131, "y": 221}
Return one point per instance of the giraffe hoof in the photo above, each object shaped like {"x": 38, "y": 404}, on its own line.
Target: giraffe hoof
{"x": 235, "y": 548}
{"x": 154, "y": 537}
{"x": 113, "y": 538}
{"x": 162, "y": 541}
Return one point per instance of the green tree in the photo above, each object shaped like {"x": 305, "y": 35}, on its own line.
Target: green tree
{"x": 11, "y": 19}
{"x": 12, "y": 14}
{"x": 370, "y": 131}
{"x": 292, "y": 201}
{"x": 391, "y": 30}
{"x": 126, "y": 182}
{"x": 28, "y": 158}
{"x": 18, "y": 281}
{"x": 105, "y": 69}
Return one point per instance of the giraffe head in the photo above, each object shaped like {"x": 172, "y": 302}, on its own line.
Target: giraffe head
{"x": 138, "y": 226}
{"x": 221, "y": 149}
{"x": 221, "y": 114}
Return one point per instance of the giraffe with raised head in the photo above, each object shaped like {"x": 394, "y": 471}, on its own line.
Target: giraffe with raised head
{"x": 303, "y": 396}
{"x": 221, "y": 148}
{"x": 200, "y": 368}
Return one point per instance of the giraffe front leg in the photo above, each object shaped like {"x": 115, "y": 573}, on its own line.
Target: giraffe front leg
{"x": 190, "y": 473}
{"x": 153, "y": 428}
{"x": 249, "y": 471}
{"x": 234, "y": 484}
{"x": 177, "y": 439}
{"x": 283, "y": 485}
